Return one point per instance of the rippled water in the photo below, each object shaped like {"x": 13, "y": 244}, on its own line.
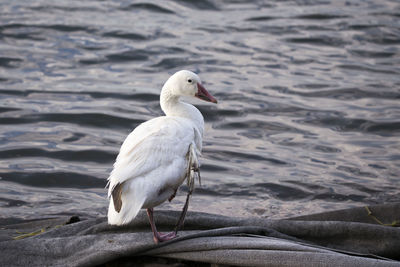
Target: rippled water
{"x": 308, "y": 117}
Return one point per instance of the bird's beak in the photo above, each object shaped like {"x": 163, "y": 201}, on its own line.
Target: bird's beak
{"x": 203, "y": 94}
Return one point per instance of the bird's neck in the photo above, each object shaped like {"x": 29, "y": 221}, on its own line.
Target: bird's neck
{"x": 173, "y": 106}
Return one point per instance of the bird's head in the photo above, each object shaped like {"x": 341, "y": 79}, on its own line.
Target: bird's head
{"x": 187, "y": 83}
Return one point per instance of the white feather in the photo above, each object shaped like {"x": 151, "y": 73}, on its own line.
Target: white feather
{"x": 152, "y": 162}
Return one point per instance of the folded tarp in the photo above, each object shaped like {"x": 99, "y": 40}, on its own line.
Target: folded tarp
{"x": 352, "y": 237}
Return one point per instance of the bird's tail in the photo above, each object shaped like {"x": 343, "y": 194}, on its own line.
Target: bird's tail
{"x": 132, "y": 199}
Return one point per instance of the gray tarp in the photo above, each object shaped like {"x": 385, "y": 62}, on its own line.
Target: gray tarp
{"x": 340, "y": 238}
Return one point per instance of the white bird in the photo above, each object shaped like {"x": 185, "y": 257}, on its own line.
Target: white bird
{"x": 159, "y": 154}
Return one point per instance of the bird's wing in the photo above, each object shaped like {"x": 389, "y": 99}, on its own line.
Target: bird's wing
{"x": 153, "y": 144}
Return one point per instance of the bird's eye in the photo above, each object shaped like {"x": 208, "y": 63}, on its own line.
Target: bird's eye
{"x": 189, "y": 80}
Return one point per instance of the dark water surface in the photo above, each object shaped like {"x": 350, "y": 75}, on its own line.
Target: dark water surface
{"x": 308, "y": 117}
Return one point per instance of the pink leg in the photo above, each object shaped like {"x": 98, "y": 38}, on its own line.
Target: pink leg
{"x": 158, "y": 237}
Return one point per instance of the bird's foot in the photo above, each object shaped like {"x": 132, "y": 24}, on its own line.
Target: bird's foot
{"x": 160, "y": 237}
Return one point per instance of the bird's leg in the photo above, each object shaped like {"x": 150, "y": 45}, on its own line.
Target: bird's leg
{"x": 183, "y": 214}
{"x": 193, "y": 167}
{"x": 191, "y": 188}
{"x": 158, "y": 237}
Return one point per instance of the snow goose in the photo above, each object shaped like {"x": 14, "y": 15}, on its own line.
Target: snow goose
{"x": 159, "y": 154}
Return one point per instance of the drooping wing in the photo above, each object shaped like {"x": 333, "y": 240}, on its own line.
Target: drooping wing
{"x": 153, "y": 144}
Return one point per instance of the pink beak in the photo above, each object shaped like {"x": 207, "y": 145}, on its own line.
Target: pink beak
{"x": 203, "y": 94}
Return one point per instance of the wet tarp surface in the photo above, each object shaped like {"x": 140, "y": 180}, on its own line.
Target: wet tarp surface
{"x": 340, "y": 238}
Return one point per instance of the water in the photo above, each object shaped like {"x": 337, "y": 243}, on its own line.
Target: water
{"x": 308, "y": 116}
